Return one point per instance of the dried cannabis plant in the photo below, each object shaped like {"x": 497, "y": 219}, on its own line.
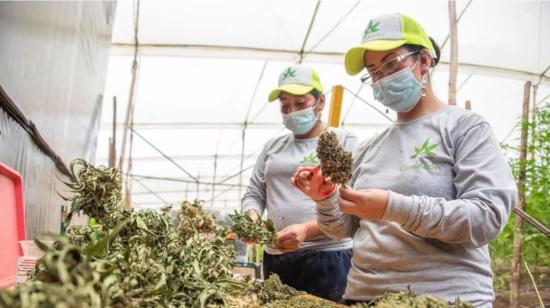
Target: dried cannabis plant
{"x": 193, "y": 219}
{"x": 336, "y": 162}
{"x": 407, "y": 299}
{"x": 96, "y": 191}
{"x": 273, "y": 289}
{"x": 130, "y": 258}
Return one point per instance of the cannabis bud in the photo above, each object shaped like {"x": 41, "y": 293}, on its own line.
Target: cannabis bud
{"x": 335, "y": 161}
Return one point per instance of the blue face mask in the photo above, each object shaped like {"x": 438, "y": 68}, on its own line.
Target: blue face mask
{"x": 300, "y": 122}
{"x": 399, "y": 91}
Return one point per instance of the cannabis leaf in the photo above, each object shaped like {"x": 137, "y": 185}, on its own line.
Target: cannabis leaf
{"x": 426, "y": 149}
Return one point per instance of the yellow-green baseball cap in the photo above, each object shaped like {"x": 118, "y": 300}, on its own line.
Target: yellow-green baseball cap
{"x": 297, "y": 80}
{"x": 384, "y": 33}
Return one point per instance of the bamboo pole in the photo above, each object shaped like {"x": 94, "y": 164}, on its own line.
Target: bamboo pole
{"x": 518, "y": 236}
{"x": 453, "y": 69}
{"x": 534, "y": 284}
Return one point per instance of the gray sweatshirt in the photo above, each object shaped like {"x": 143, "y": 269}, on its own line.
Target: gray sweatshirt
{"x": 270, "y": 187}
{"x": 450, "y": 193}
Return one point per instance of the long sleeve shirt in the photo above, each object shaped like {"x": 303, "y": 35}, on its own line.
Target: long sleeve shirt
{"x": 270, "y": 187}
{"x": 450, "y": 193}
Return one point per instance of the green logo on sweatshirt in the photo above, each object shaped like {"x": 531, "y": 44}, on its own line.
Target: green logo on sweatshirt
{"x": 310, "y": 159}
{"x": 425, "y": 149}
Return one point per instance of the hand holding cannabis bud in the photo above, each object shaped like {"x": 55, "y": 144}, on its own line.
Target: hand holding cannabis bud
{"x": 336, "y": 165}
{"x": 312, "y": 182}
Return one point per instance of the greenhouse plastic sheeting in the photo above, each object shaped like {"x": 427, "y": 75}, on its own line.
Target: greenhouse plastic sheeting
{"x": 53, "y": 60}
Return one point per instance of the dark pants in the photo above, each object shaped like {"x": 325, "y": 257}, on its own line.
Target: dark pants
{"x": 321, "y": 273}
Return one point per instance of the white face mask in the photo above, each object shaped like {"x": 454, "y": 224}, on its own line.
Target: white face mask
{"x": 399, "y": 91}
{"x": 302, "y": 121}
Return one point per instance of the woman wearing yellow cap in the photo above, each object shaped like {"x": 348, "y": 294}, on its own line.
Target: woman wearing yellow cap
{"x": 302, "y": 256}
{"x": 428, "y": 193}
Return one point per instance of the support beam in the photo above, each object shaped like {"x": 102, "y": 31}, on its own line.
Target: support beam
{"x": 217, "y": 125}
{"x": 453, "y": 68}
{"x": 335, "y": 106}
{"x": 261, "y": 54}
{"x": 302, "y": 49}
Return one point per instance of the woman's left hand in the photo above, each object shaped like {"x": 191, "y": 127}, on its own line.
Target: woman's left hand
{"x": 364, "y": 203}
{"x": 290, "y": 238}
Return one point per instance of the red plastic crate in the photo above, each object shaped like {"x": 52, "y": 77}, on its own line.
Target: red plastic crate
{"x": 12, "y": 224}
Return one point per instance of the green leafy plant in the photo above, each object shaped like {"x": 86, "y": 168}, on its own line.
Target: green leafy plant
{"x": 536, "y": 247}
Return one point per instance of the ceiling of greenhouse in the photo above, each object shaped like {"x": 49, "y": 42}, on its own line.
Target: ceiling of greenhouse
{"x": 205, "y": 68}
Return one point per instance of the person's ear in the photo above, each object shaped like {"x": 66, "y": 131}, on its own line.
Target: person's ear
{"x": 425, "y": 61}
{"x": 321, "y": 103}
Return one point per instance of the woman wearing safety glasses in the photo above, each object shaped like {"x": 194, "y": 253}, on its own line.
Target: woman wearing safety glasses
{"x": 302, "y": 256}
{"x": 428, "y": 193}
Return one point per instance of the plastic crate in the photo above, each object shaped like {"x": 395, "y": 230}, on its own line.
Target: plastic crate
{"x": 12, "y": 224}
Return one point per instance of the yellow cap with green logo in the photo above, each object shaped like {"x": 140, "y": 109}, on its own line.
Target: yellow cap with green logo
{"x": 384, "y": 33}
{"x": 297, "y": 80}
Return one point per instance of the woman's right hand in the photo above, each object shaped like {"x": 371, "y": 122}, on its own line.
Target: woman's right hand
{"x": 310, "y": 181}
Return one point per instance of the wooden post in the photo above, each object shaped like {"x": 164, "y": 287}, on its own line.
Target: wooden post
{"x": 214, "y": 178}
{"x": 454, "y": 52}
{"x": 468, "y": 105}
{"x": 128, "y": 193}
{"x": 112, "y": 140}
{"x": 132, "y": 91}
{"x": 243, "y": 140}
{"x": 518, "y": 236}
{"x": 335, "y": 106}
{"x": 198, "y": 185}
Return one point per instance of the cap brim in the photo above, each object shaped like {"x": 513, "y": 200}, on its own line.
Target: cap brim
{"x": 294, "y": 89}
{"x": 353, "y": 59}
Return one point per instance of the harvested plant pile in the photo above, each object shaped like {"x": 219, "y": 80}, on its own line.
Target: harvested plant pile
{"x": 130, "y": 258}
{"x": 260, "y": 231}
{"x": 273, "y": 289}
{"x": 407, "y": 299}
{"x": 303, "y": 301}
{"x": 335, "y": 161}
